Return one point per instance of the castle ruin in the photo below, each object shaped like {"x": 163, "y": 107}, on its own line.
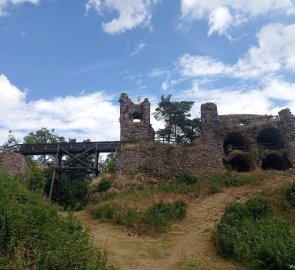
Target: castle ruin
{"x": 240, "y": 142}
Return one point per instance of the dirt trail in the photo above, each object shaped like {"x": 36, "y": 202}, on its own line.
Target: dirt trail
{"x": 188, "y": 245}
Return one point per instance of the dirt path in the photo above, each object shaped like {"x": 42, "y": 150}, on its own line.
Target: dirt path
{"x": 189, "y": 244}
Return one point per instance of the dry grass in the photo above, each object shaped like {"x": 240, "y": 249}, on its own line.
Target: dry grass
{"x": 189, "y": 244}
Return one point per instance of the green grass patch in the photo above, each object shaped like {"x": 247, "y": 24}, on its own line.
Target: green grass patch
{"x": 156, "y": 219}
{"x": 34, "y": 236}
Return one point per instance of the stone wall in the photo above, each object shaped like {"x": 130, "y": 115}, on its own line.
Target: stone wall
{"x": 13, "y": 163}
{"x": 164, "y": 160}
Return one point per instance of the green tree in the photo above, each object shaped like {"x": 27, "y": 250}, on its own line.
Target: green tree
{"x": 11, "y": 143}
{"x": 178, "y": 126}
{"x": 43, "y": 135}
{"x": 70, "y": 188}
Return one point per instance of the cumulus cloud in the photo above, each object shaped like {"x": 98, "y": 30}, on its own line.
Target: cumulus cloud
{"x": 5, "y": 4}
{"x": 90, "y": 116}
{"x": 131, "y": 13}
{"x": 274, "y": 53}
{"x": 223, "y": 14}
{"x": 219, "y": 20}
{"x": 258, "y": 100}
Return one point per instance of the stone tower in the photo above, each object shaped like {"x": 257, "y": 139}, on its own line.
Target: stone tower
{"x": 209, "y": 121}
{"x": 135, "y": 120}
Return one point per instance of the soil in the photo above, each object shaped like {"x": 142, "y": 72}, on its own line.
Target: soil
{"x": 189, "y": 245}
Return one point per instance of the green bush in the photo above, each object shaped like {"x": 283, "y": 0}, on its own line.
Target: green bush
{"x": 258, "y": 207}
{"x": 161, "y": 215}
{"x": 104, "y": 185}
{"x": 188, "y": 178}
{"x": 34, "y": 236}
{"x": 290, "y": 194}
{"x": 249, "y": 234}
{"x": 36, "y": 179}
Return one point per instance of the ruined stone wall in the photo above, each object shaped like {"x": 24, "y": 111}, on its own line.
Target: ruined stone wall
{"x": 164, "y": 160}
{"x": 135, "y": 120}
{"x": 13, "y": 163}
{"x": 287, "y": 127}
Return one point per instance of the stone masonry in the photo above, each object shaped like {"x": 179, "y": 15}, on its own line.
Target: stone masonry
{"x": 240, "y": 142}
{"x": 135, "y": 120}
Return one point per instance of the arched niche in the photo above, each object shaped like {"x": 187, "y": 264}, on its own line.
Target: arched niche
{"x": 234, "y": 141}
{"x": 270, "y": 138}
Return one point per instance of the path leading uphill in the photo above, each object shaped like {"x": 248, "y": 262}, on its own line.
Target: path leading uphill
{"x": 189, "y": 244}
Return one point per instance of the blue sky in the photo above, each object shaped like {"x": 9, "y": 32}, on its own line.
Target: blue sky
{"x": 63, "y": 64}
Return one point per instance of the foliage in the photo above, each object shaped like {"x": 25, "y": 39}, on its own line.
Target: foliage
{"x": 69, "y": 188}
{"x": 109, "y": 165}
{"x": 178, "y": 126}
{"x": 290, "y": 194}
{"x": 36, "y": 179}
{"x": 34, "y": 236}
{"x": 162, "y": 214}
{"x": 188, "y": 178}
{"x": 104, "y": 185}
{"x": 249, "y": 234}
{"x": 157, "y": 218}
{"x": 43, "y": 135}
{"x": 11, "y": 143}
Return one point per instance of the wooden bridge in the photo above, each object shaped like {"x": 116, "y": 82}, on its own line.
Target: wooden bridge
{"x": 77, "y": 155}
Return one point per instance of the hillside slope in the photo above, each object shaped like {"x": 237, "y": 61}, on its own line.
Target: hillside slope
{"x": 189, "y": 244}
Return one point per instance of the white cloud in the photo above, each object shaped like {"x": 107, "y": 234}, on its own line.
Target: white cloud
{"x": 223, "y": 14}
{"x": 275, "y": 52}
{"x": 137, "y": 49}
{"x": 196, "y": 65}
{"x": 90, "y": 116}
{"x": 219, "y": 20}
{"x": 131, "y": 13}
{"x": 259, "y": 100}
{"x": 5, "y": 4}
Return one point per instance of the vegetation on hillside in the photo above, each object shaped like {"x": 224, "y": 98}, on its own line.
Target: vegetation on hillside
{"x": 260, "y": 233}
{"x": 34, "y": 236}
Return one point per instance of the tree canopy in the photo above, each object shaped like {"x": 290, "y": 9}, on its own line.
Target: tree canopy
{"x": 176, "y": 115}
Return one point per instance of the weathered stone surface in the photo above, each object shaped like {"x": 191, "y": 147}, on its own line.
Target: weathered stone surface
{"x": 223, "y": 138}
{"x": 135, "y": 120}
{"x": 13, "y": 163}
{"x": 166, "y": 160}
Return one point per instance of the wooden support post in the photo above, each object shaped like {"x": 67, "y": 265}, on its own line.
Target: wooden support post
{"x": 54, "y": 171}
{"x": 96, "y": 159}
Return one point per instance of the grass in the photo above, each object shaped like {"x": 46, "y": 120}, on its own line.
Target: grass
{"x": 210, "y": 184}
{"x": 34, "y": 236}
{"x": 156, "y": 219}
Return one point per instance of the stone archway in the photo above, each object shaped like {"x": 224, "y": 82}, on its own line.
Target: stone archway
{"x": 234, "y": 141}
{"x": 275, "y": 162}
{"x": 270, "y": 138}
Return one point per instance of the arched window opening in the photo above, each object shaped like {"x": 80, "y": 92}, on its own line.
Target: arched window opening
{"x": 239, "y": 163}
{"x": 276, "y": 162}
{"x": 136, "y": 117}
{"x": 270, "y": 138}
{"x": 234, "y": 141}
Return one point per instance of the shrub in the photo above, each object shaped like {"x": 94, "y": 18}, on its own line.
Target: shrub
{"x": 248, "y": 234}
{"x": 188, "y": 178}
{"x": 104, "y": 185}
{"x": 34, "y": 236}
{"x": 258, "y": 207}
{"x": 161, "y": 215}
{"x": 290, "y": 194}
